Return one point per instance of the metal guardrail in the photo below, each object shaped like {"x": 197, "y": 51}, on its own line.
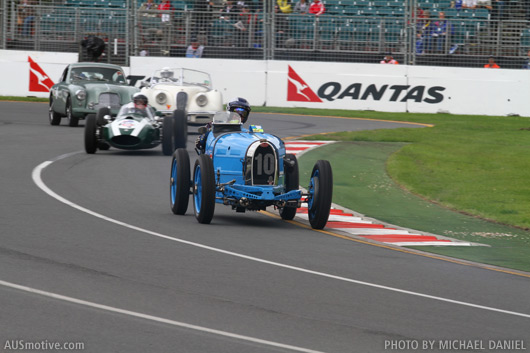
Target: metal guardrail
{"x": 346, "y": 33}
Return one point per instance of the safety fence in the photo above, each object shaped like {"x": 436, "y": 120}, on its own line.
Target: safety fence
{"x": 349, "y": 31}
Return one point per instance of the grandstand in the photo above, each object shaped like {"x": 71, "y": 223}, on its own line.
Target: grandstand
{"x": 349, "y": 31}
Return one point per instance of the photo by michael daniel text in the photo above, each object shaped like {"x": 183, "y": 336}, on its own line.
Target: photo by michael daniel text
{"x": 455, "y": 345}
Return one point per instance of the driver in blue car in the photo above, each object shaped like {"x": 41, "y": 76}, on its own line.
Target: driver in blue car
{"x": 237, "y": 105}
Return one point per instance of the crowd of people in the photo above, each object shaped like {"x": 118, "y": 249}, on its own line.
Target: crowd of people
{"x": 435, "y": 33}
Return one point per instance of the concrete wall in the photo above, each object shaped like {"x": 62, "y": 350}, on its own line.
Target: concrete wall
{"x": 392, "y": 88}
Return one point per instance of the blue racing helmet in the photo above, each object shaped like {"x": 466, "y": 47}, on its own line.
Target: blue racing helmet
{"x": 240, "y": 106}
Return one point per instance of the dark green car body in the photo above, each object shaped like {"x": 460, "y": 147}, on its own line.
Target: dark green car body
{"x": 132, "y": 132}
{"x": 84, "y": 88}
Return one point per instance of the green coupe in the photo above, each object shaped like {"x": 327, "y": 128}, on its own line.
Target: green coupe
{"x": 84, "y": 88}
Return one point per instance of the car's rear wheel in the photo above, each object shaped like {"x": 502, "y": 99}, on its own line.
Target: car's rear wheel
{"x": 292, "y": 182}
{"x": 100, "y": 118}
{"x": 180, "y": 126}
{"x": 320, "y": 194}
{"x": 203, "y": 189}
{"x": 179, "y": 186}
{"x": 72, "y": 120}
{"x": 55, "y": 118}
{"x": 168, "y": 145}
{"x": 91, "y": 141}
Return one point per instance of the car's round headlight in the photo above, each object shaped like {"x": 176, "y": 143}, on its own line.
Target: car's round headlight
{"x": 201, "y": 100}
{"x": 161, "y": 98}
{"x": 81, "y": 94}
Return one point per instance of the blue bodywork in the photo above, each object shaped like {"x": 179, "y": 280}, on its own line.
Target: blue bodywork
{"x": 249, "y": 168}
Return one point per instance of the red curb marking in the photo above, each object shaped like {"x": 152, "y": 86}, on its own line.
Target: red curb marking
{"x": 334, "y": 224}
{"x": 291, "y": 148}
{"x": 398, "y": 238}
{"x": 333, "y": 212}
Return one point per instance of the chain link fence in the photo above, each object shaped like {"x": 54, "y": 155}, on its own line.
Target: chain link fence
{"x": 426, "y": 32}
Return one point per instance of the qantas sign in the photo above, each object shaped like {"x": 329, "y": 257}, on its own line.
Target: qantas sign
{"x": 299, "y": 91}
{"x": 38, "y": 79}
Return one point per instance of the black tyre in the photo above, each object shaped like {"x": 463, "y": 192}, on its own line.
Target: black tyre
{"x": 91, "y": 141}
{"x": 320, "y": 194}
{"x": 168, "y": 145}
{"x": 292, "y": 182}
{"x": 72, "y": 120}
{"x": 55, "y": 118}
{"x": 180, "y": 126}
{"x": 100, "y": 118}
{"x": 179, "y": 186}
{"x": 203, "y": 189}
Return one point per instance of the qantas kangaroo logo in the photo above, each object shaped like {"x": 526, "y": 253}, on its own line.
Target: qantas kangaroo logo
{"x": 298, "y": 90}
{"x": 38, "y": 79}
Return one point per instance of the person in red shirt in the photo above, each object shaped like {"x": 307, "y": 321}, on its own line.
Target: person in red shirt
{"x": 166, "y": 6}
{"x": 389, "y": 59}
{"x": 491, "y": 64}
{"x": 317, "y": 8}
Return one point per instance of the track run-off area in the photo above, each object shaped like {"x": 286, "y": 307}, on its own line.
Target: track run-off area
{"x": 92, "y": 253}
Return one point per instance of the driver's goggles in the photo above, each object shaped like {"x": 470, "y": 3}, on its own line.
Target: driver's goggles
{"x": 241, "y": 111}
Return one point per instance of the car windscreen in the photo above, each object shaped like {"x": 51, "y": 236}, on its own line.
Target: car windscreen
{"x": 128, "y": 110}
{"x": 98, "y": 74}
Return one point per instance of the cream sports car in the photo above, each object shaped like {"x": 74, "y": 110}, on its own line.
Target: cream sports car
{"x": 171, "y": 89}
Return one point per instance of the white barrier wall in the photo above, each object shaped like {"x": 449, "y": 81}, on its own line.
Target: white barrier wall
{"x": 391, "y": 88}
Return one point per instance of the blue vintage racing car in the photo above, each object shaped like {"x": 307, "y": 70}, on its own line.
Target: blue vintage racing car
{"x": 247, "y": 170}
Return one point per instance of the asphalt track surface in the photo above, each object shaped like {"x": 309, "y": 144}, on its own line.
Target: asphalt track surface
{"x": 245, "y": 283}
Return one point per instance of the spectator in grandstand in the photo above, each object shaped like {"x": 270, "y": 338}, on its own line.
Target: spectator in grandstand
{"x": 230, "y": 8}
{"x": 442, "y": 32}
{"x": 195, "y": 49}
{"x": 244, "y": 22}
{"x": 165, "y": 5}
{"x": 148, "y": 5}
{"x": 281, "y": 26}
{"x": 424, "y": 30}
{"x": 301, "y": 6}
{"x": 285, "y": 6}
{"x": 492, "y": 64}
{"x": 389, "y": 59}
{"x": 26, "y": 15}
{"x": 457, "y": 4}
{"x": 484, "y": 4}
{"x": 469, "y": 4}
{"x": 317, "y": 8}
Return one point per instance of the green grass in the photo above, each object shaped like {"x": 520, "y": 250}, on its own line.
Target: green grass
{"x": 474, "y": 164}
{"x": 23, "y": 99}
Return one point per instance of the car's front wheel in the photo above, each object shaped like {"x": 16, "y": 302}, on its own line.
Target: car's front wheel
{"x": 320, "y": 194}
{"x": 100, "y": 118}
{"x": 72, "y": 120}
{"x": 55, "y": 118}
{"x": 292, "y": 181}
{"x": 203, "y": 189}
{"x": 180, "y": 126}
{"x": 179, "y": 186}
{"x": 91, "y": 140}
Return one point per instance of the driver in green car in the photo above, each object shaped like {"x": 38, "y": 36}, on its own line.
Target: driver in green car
{"x": 139, "y": 106}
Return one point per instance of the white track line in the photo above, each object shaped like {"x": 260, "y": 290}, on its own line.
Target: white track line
{"x": 36, "y": 175}
{"x": 155, "y": 318}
